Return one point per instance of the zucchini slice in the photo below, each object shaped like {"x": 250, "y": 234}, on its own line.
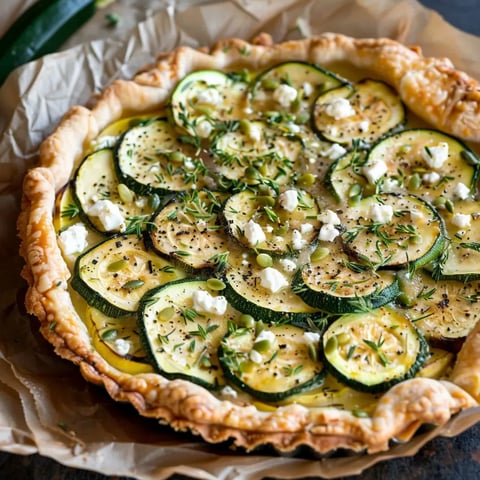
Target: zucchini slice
{"x": 444, "y": 311}
{"x": 113, "y": 275}
{"x": 374, "y": 350}
{"x": 274, "y": 224}
{"x": 425, "y": 162}
{"x": 306, "y": 79}
{"x": 393, "y": 230}
{"x": 67, "y": 212}
{"x": 264, "y": 294}
{"x": 365, "y": 111}
{"x": 182, "y": 334}
{"x": 337, "y": 284}
{"x": 254, "y": 150}
{"x": 150, "y": 158}
{"x": 274, "y": 364}
{"x": 461, "y": 261}
{"x": 117, "y": 341}
{"x": 96, "y": 181}
{"x": 204, "y": 97}
{"x": 188, "y": 230}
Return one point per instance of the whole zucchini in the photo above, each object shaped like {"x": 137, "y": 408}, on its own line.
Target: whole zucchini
{"x": 41, "y": 29}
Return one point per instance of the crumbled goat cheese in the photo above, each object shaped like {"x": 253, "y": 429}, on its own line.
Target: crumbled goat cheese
{"x": 298, "y": 242}
{"x": 203, "y": 302}
{"x": 431, "y": 178}
{"x": 306, "y": 228}
{"x": 265, "y": 335}
{"x": 74, "y": 239}
{"x": 209, "y": 96}
{"x": 272, "y": 279}
{"x": 255, "y": 132}
{"x": 122, "y": 346}
{"x": 311, "y": 337}
{"x": 285, "y": 94}
{"x": 287, "y": 265}
{"x": 288, "y": 200}
{"x": 109, "y": 215}
{"x": 339, "y": 108}
{"x": 461, "y": 220}
{"x": 364, "y": 125}
{"x": 334, "y": 151}
{"x": 253, "y": 233}
{"x": 374, "y": 171}
{"x": 255, "y": 356}
{"x": 380, "y": 213}
{"x": 307, "y": 89}
{"x": 390, "y": 185}
{"x": 461, "y": 191}
{"x": 228, "y": 392}
{"x": 436, "y": 155}
{"x": 329, "y": 216}
{"x": 328, "y": 232}
{"x": 204, "y": 129}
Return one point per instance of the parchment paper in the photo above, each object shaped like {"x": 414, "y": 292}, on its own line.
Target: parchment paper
{"x": 45, "y": 405}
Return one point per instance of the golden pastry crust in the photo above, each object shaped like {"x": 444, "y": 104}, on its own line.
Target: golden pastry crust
{"x": 432, "y": 88}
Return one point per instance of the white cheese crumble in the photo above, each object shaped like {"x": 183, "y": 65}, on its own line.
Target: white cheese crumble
{"x": 253, "y": 233}
{"x": 461, "y": 191}
{"x": 288, "y": 200}
{"x": 306, "y": 228}
{"x": 287, "y": 265}
{"x": 436, "y": 155}
{"x": 339, "y": 108}
{"x": 374, "y": 171}
{"x": 285, "y": 94}
{"x": 390, "y": 185}
{"x": 228, "y": 392}
{"x": 109, "y": 215}
{"x": 298, "y": 242}
{"x": 189, "y": 164}
{"x": 203, "y": 302}
{"x": 122, "y": 347}
{"x": 204, "y": 129}
{"x": 272, "y": 279}
{"x": 311, "y": 337}
{"x": 431, "y": 178}
{"x": 364, "y": 125}
{"x": 255, "y": 356}
{"x": 328, "y": 232}
{"x": 307, "y": 89}
{"x": 255, "y": 132}
{"x": 329, "y": 216}
{"x": 334, "y": 151}
{"x": 461, "y": 220}
{"x": 74, "y": 239}
{"x": 209, "y": 96}
{"x": 265, "y": 335}
{"x": 380, "y": 213}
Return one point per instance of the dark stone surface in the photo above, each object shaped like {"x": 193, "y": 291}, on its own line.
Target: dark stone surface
{"x": 455, "y": 458}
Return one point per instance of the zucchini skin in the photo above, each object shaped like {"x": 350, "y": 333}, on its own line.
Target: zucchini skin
{"x": 41, "y": 29}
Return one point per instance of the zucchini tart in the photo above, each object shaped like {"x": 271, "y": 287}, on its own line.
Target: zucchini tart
{"x": 268, "y": 243}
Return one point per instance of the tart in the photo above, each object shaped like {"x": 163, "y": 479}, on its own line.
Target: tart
{"x": 268, "y": 243}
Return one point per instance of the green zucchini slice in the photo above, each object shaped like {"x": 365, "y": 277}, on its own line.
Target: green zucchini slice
{"x": 203, "y": 98}
{"x": 425, "y": 162}
{"x": 150, "y": 158}
{"x": 461, "y": 260}
{"x": 274, "y": 224}
{"x": 181, "y": 325}
{"x": 444, "y": 311}
{"x": 393, "y": 230}
{"x": 274, "y": 364}
{"x": 113, "y": 275}
{"x": 188, "y": 230}
{"x": 374, "y": 350}
{"x": 337, "y": 284}
{"x": 96, "y": 183}
{"x": 264, "y": 294}
{"x": 118, "y": 341}
{"x": 255, "y": 150}
{"x": 275, "y": 88}
{"x": 365, "y": 111}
